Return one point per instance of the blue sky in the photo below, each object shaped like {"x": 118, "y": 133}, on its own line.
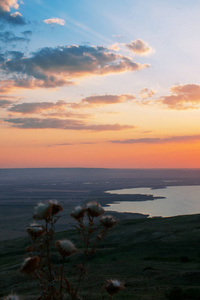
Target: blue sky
{"x": 170, "y": 27}
{"x": 103, "y": 72}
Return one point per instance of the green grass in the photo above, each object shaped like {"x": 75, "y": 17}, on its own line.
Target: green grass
{"x": 156, "y": 258}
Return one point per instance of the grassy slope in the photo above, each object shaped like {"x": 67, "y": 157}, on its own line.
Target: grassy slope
{"x": 148, "y": 254}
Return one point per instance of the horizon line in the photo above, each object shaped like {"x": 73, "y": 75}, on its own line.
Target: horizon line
{"x": 101, "y": 168}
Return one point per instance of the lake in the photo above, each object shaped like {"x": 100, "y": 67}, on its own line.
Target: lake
{"x": 179, "y": 200}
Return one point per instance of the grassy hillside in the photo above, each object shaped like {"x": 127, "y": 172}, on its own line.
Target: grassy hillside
{"x": 155, "y": 257}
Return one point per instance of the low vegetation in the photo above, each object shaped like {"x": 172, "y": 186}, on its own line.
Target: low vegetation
{"x": 53, "y": 279}
{"x": 156, "y": 258}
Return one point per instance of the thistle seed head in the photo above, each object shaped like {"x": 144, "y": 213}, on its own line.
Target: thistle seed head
{"x": 65, "y": 247}
{"x": 78, "y": 212}
{"x": 47, "y": 209}
{"x": 30, "y": 265}
{"x": 94, "y": 209}
{"x": 108, "y": 221}
{"x": 35, "y": 230}
{"x": 55, "y": 207}
{"x": 42, "y": 211}
{"x": 113, "y": 286}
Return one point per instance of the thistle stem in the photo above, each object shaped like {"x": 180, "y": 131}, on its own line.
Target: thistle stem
{"x": 52, "y": 289}
{"x": 48, "y": 251}
{"x": 79, "y": 279}
{"x": 61, "y": 279}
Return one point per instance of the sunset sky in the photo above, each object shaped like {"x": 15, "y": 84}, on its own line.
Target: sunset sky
{"x": 98, "y": 83}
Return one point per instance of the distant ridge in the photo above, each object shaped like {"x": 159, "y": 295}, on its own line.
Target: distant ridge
{"x": 84, "y": 174}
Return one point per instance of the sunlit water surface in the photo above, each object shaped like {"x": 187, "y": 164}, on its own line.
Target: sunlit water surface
{"x": 180, "y": 200}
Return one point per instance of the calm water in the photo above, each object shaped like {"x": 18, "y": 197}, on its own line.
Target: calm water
{"x": 180, "y": 200}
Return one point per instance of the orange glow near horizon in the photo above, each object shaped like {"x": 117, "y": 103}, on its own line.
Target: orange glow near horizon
{"x": 105, "y": 155}
{"x": 164, "y": 147}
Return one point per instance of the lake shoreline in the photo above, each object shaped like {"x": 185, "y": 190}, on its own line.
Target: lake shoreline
{"x": 21, "y": 190}
{"x": 176, "y": 200}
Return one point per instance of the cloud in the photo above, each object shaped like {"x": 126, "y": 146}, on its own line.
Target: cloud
{"x": 46, "y": 109}
{"x": 5, "y": 103}
{"x": 118, "y": 36}
{"x": 43, "y": 81}
{"x": 64, "y": 114}
{"x": 139, "y": 47}
{"x": 55, "y": 21}
{"x": 6, "y": 86}
{"x": 36, "y": 107}
{"x": 15, "y": 54}
{"x": 173, "y": 139}
{"x": 71, "y": 144}
{"x": 8, "y": 97}
{"x": 10, "y": 86}
{"x": 115, "y": 47}
{"x": 10, "y": 37}
{"x": 27, "y": 33}
{"x": 2, "y": 57}
{"x": 147, "y": 93}
{"x": 183, "y": 97}
{"x": 5, "y": 16}
{"x": 16, "y": 15}
{"x": 69, "y": 124}
{"x": 6, "y": 5}
{"x": 53, "y": 67}
{"x": 99, "y": 100}
{"x": 58, "y": 109}
{"x": 12, "y": 19}
{"x": 63, "y": 144}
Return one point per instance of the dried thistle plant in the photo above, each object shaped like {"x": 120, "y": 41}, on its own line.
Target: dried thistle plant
{"x": 113, "y": 287}
{"x": 92, "y": 227}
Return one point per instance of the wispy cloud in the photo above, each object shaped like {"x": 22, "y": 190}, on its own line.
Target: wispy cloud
{"x": 62, "y": 144}
{"x": 66, "y": 114}
{"x": 53, "y": 21}
{"x": 36, "y": 107}
{"x": 50, "y": 109}
{"x": 79, "y": 26}
{"x": 10, "y": 37}
{"x": 147, "y": 93}
{"x": 70, "y": 144}
{"x": 67, "y": 124}
{"x": 115, "y": 47}
{"x": 118, "y": 36}
{"x": 101, "y": 100}
{"x": 27, "y": 33}
{"x": 173, "y": 139}
{"x": 65, "y": 109}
